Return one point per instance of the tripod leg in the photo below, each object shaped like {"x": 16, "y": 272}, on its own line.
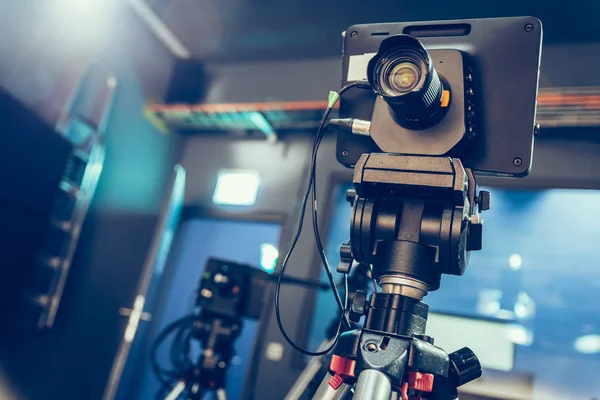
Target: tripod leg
{"x": 327, "y": 392}
{"x": 176, "y": 391}
{"x": 372, "y": 385}
{"x": 307, "y": 375}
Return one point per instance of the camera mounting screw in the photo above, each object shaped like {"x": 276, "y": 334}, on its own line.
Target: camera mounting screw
{"x": 345, "y": 153}
{"x": 528, "y": 27}
{"x": 353, "y": 34}
{"x": 517, "y": 161}
{"x": 371, "y": 347}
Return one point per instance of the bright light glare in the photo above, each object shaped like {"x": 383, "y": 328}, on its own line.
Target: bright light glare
{"x": 520, "y": 335}
{"x": 525, "y": 306}
{"x": 515, "y": 261}
{"x": 238, "y": 188}
{"x": 489, "y": 301}
{"x": 81, "y": 7}
{"x": 587, "y": 344}
{"x": 268, "y": 257}
{"x": 81, "y": 22}
{"x": 7, "y": 389}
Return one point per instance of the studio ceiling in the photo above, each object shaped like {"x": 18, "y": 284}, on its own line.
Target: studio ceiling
{"x": 270, "y": 29}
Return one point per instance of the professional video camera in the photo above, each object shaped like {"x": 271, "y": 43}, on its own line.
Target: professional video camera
{"x": 425, "y": 106}
{"x": 462, "y": 89}
{"x": 228, "y": 293}
{"x": 232, "y": 290}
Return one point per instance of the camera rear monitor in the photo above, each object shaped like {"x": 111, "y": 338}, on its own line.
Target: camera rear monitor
{"x": 463, "y": 89}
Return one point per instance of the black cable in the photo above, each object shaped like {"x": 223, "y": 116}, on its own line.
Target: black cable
{"x": 315, "y": 221}
{"x": 373, "y": 279}
{"x": 175, "y": 348}
{"x": 313, "y": 179}
{"x": 311, "y": 185}
{"x": 159, "y": 371}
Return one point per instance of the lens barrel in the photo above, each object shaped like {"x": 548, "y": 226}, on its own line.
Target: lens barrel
{"x": 403, "y": 75}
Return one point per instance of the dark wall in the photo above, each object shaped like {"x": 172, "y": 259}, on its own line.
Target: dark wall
{"x": 48, "y": 51}
{"x": 308, "y": 79}
{"x": 561, "y": 159}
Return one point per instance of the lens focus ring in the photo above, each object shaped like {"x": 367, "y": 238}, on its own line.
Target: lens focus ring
{"x": 434, "y": 91}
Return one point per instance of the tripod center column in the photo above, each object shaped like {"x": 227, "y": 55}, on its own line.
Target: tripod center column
{"x": 394, "y": 313}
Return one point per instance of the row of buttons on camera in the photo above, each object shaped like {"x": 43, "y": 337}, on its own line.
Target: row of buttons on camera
{"x": 469, "y": 104}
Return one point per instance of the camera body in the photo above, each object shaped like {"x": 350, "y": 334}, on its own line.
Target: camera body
{"x": 232, "y": 290}
{"x": 490, "y": 67}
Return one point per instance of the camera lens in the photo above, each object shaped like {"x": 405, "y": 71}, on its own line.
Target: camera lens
{"x": 400, "y": 75}
{"x": 403, "y": 75}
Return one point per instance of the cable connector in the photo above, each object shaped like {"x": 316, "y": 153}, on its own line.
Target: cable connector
{"x": 332, "y": 99}
{"x": 351, "y": 125}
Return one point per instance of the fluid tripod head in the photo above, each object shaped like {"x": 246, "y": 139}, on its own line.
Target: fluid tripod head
{"x": 413, "y": 230}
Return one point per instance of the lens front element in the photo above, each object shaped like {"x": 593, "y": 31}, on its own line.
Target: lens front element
{"x": 403, "y": 75}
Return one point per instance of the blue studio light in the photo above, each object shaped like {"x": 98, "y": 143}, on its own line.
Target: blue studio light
{"x": 268, "y": 257}
{"x": 236, "y": 187}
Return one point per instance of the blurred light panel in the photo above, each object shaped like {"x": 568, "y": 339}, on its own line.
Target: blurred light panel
{"x": 236, "y": 187}
{"x": 268, "y": 257}
{"x": 488, "y": 339}
{"x": 587, "y": 344}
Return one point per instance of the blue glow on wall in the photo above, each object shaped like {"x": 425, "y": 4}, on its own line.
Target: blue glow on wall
{"x": 196, "y": 241}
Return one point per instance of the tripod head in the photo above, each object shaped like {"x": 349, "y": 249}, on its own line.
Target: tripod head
{"x": 414, "y": 218}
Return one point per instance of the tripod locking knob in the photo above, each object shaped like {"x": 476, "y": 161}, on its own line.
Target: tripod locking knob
{"x": 483, "y": 200}
{"x": 345, "y": 259}
{"x": 464, "y": 366}
{"x": 357, "y": 308}
{"x": 350, "y": 196}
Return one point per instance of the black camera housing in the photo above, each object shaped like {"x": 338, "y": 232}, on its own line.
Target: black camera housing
{"x": 499, "y": 74}
{"x": 232, "y": 290}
